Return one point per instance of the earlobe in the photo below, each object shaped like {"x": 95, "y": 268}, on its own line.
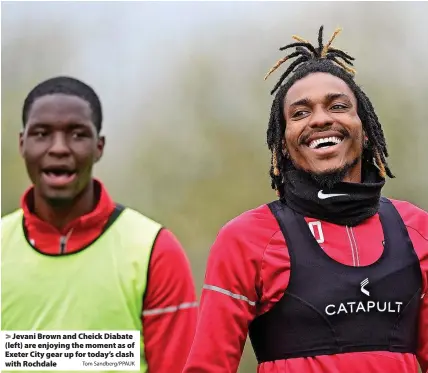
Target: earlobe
{"x": 21, "y": 144}
{"x": 100, "y": 148}
{"x": 98, "y": 155}
{"x": 284, "y": 149}
{"x": 366, "y": 138}
{"x": 365, "y": 141}
{"x": 285, "y": 152}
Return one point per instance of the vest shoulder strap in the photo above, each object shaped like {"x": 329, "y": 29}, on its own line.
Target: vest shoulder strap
{"x": 138, "y": 227}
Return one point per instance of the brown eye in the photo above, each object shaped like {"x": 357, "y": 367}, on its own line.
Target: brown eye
{"x": 339, "y": 107}
{"x": 39, "y": 134}
{"x": 299, "y": 113}
{"x": 78, "y": 135}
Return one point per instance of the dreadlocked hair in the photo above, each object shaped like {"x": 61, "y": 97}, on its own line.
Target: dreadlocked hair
{"x": 326, "y": 59}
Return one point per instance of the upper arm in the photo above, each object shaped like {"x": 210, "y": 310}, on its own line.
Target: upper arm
{"x": 421, "y": 246}
{"x": 170, "y": 279}
{"x": 423, "y": 335}
{"x": 228, "y": 304}
{"x": 169, "y": 307}
{"x": 416, "y": 221}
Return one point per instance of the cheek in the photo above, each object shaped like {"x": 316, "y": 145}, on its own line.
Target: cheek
{"x": 83, "y": 151}
{"x": 32, "y": 165}
{"x": 291, "y": 139}
{"x": 85, "y": 160}
{"x": 32, "y": 156}
{"x": 359, "y": 133}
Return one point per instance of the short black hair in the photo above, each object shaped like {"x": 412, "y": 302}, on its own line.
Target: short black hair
{"x": 67, "y": 86}
{"x": 324, "y": 59}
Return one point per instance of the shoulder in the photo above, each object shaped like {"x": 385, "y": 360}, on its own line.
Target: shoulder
{"x": 246, "y": 235}
{"x": 169, "y": 263}
{"x": 12, "y": 217}
{"x": 408, "y": 207}
{"x": 167, "y": 245}
{"x": 255, "y": 222}
{"x": 235, "y": 259}
{"x": 10, "y": 224}
{"x": 413, "y": 216}
{"x": 138, "y": 218}
{"x": 136, "y": 229}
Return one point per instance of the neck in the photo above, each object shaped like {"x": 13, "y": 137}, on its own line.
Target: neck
{"x": 351, "y": 173}
{"x": 349, "y": 202}
{"x": 354, "y": 174}
{"x": 61, "y": 216}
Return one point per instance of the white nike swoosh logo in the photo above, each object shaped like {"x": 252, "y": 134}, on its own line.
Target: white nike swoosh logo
{"x": 321, "y": 195}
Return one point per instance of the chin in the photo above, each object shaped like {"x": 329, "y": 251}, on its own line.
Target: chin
{"x": 332, "y": 174}
{"x": 59, "y": 199}
{"x": 328, "y": 165}
{"x": 329, "y": 178}
{"x": 328, "y": 169}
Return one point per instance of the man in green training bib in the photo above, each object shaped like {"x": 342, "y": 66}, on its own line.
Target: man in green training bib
{"x": 71, "y": 258}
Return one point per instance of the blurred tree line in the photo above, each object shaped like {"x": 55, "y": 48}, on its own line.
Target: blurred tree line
{"x": 197, "y": 156}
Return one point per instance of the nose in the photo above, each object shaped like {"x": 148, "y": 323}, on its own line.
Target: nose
{"x": 59, "y": 146}
{"x": 320, "y": 118}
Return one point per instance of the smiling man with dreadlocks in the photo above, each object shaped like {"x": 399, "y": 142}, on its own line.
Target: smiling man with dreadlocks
{"x": 331, "y": 277}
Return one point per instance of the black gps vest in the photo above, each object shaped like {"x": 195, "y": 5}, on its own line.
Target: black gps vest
{"x": 331, "y": 308}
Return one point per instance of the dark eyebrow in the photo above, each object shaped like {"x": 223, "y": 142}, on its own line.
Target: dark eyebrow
{"x": 334, "y": 96}
{"x": 302, "y": 102}
{"x": 71, "y": 126}
{"x": 77, "y": 126}
{"x": 37, "y": 125}
{"x": 328, "y": 98}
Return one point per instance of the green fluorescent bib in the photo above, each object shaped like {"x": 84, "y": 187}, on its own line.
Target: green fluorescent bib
{"x": 98, "y": 288}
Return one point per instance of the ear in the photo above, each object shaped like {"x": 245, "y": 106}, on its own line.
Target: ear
{"x": 100, "y": 148}
{"x": 21, "y": 143}
{"x": 365, "y": 140}
{"x": 365, "y": 137}
{"x": 284, "y": 149}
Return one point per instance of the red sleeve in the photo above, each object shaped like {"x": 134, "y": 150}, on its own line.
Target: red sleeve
{"x": 416, "y": 221}
{"x": 169, "y": 307}
{"x": 423, "y": 333}
{"x": 227, "y": 302}
{"x": 422, "y": 241}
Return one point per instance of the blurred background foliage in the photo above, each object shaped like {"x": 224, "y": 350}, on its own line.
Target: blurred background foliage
{"x": 186, "y": 108}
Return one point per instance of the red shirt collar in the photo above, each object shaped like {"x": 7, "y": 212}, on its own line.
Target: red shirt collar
{"x": 84, "y": 229}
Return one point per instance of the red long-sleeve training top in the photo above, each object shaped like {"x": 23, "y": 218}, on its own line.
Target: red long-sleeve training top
{"x": 169, "y": 305}
{"x": 248, "y": 271}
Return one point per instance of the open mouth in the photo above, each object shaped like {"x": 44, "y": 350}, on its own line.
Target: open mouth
{"x": 58, "y": 176}
{"x": 58, "y": 172}
{"x": 325, "y": 142}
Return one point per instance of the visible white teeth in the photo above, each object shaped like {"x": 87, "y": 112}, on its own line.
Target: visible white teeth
{"x": 313, "y": 144}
